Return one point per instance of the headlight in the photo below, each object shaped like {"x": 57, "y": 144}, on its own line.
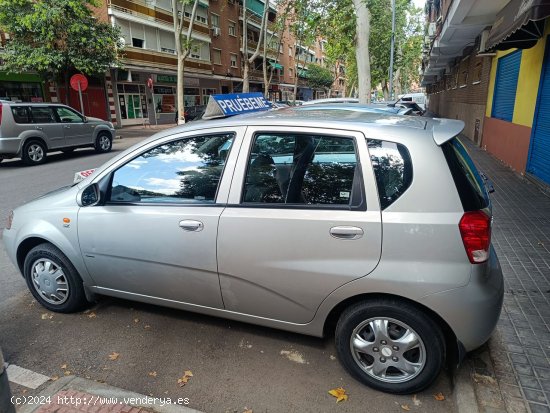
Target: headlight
{"x": 111, "y": 125}
{"x": 9, "y": 220}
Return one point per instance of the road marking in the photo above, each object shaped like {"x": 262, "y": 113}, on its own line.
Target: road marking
{"x": 24, "y": 377}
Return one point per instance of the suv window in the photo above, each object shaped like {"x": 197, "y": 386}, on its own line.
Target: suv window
{"x": 392, "y": 168}
{"x": 468, "y": 181}
{"x": 303, "y": 169}
{"x": 66, "y": 115}
{"x": 21, "y": 114}
{"x": 183, "y": 171}
{"x": 42, "y": 115}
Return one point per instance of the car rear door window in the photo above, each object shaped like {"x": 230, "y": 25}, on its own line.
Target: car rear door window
{"x": 183, "y": 171}
{"x": 21, "y": 114}
{"x": 42, "y": 115}
{"x": 303, "y": 169}
{"x": 392, "y": 168}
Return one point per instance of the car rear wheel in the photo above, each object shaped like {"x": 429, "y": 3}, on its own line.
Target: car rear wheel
{"x": 390, "y": 346}
{"x": 103, "y": 142}
{"x": 34, "y": 152}
{"x": 53, "y": 280}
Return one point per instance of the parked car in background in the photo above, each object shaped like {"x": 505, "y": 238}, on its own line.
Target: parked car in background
{"x": 357, "y": 107}
{"x": 331, "y": 100}
{"x": 370, "y": 226}
{"x": 30, "y": 130}
{"x": 419, "y": 98}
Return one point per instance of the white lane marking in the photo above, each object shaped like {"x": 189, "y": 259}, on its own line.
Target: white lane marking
{"x": 24, "y": 377}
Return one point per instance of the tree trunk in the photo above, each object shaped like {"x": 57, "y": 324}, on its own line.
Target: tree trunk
{"x": 246, "y": 70}
{"x": 67, "y": 86}
{"x": 181, "y": 90}
{"x": 362, "y": 50}
{"x": 385, "y": 91}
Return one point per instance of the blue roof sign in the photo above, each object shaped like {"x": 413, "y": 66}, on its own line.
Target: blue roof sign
{"x": 235, "y": 104}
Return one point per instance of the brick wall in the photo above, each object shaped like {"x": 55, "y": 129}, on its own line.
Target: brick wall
{"x": 225, "y": 42}
{"x": 458, "y": 97}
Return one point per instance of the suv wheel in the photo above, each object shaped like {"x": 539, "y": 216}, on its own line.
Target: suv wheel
{"x": 390, "y": 346}
{"x": 103, "y": 142}
{"x": 53, "y": 280}
{"x": 34, "y": 152}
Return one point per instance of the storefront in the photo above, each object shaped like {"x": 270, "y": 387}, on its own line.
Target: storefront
{"x": 21, "y": 87}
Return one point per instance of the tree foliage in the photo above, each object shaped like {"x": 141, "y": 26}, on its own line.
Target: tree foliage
{"x": 53, "y": 37}
{"x": 319, "y": 77}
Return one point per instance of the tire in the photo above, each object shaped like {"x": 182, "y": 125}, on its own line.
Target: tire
{"x": 34, "y": 152}
{"x": 103, "y": 142}
{"x": 40, "y": 266}
{"x": 373, "y": 359}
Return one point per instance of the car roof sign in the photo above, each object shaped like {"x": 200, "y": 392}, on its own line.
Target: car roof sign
{"x": 220, "y": 106}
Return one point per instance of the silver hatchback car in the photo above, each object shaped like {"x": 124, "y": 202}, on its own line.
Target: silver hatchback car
{"x": 31, "y": 130}
{"x": 375, "y": 228}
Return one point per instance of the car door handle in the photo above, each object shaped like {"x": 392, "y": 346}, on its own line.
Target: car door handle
{"x": 67, "y": 127}
{"x": 191, "y": 225}
{"x": 39, "y": 128}
{"x": 346, "y": 232}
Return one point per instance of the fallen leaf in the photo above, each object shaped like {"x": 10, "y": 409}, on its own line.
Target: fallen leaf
{"x": 64, "y": 366}
{"x": 67, "y": 373}
{"x": 147, "y": 327}
{"x": 416, "y": 401}
{"x": 113, "y": 356}
{"x": 339, "y": 393}
{"x": 248, "y": 410}
{"x": 24, "y": 391}
{"x": 439, "y": 397}
{"x": 153, "y": 373}
{"x": 405, "y": 407}
{"x": 54, "y": 378}
{"x": 136, "y": 320}
{"x": 47, "y": 316}
{"x": 92, "y": 315}
{"x": 186, "y": 376}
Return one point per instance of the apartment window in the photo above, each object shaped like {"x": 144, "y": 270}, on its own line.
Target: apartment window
{"x": 138, "y": 35}
{"x": 214, "y": 20}
{"x": 200, "y": 16}
{"x": 291, "y": 72}
{"x": 206, "y": 95}
{"x": 233, "y": 60}
{"x": 217, "y": 56}
{"x": 232, "y": 28}
{"x": 281, "y": 50}
{"x": 464, "y": 79}
{"x": 289, "y": 51}
{"x": 476, "y": 78}
{"x": 151, "y": 38}
{"x": 167, "y": 42}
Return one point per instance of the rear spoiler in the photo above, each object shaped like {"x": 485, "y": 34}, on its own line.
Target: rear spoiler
{"x": 446, "y": 129}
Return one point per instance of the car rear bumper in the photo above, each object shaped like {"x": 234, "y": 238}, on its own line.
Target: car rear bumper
{"x": 9, "y": 146}
{"x": 472, "y": 311}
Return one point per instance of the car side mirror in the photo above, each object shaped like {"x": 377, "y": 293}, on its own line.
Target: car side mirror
{"x": 85, "y": 119}
{"x": 89, "y": 196}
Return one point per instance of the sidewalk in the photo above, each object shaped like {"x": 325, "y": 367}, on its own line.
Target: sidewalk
{"x": 141, "y": 131}
{"x": 513, "y": 371}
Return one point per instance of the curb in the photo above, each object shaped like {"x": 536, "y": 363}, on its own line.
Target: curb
{"x": 102, "y": 390}
{"x": 464, "y": 392}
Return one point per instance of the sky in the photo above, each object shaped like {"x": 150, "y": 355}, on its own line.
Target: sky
{"x": 419, "y": 3}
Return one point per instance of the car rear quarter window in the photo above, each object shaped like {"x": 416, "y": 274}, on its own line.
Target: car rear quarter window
{"x": 469, "y": 184}
{"x": 21, "y": 114}
{"x": 392, "y": 168}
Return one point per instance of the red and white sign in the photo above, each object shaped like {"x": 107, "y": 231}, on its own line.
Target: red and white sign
{"x": 150, "y": 83}
{"x": 78, "y": 78}
{"x": 80, "y": 176}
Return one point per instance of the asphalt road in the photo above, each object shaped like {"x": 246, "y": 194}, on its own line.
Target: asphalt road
{"x": 234, "y": 365}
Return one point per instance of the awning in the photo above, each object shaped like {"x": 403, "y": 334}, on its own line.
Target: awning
{"x": 275, "y": 65}
{"x": 519, "y": 25}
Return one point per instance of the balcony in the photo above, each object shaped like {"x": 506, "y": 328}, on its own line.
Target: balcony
{"x": 135, "y": 55}
{"x": 256, "y": 20}
{"x": 140, "y": 9}
{"x": 272, "y": 52}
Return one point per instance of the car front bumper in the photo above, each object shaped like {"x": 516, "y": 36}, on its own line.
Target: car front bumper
{"x": 472, "y": 311}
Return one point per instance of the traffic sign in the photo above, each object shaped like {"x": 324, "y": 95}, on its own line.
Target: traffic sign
{"x": 77, "y": 80}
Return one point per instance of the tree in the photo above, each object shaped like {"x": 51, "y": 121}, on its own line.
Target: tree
{"x": 184, "y": 47}
{"x": 319, "y": 77}
{"x": 54, "y": 37}
{"x": 362, "y": 50}
{"x": 247, "y": 61}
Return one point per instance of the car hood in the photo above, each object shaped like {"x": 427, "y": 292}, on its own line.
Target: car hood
{"x": 95, "y": 120}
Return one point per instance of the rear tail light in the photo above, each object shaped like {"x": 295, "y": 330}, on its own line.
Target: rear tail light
{"x": 475, "y": 229}
{"x": 1, "y": 106}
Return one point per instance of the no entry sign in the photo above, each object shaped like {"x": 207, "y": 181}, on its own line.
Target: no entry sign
{"x": 78, "y": 78}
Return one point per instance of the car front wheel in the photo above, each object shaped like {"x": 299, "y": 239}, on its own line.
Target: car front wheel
{"x": 390, "y": 345}
{"x": 53, "y": 280}
{"x": 103, "y": 142}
